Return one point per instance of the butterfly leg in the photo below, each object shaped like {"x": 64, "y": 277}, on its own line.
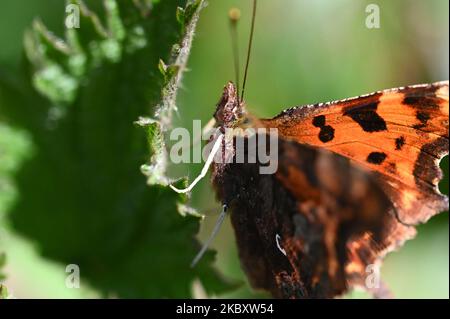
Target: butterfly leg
{"x": 215, "y": 231}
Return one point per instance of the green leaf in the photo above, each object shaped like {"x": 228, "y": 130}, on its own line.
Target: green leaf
{"x": 83, "y": 199}
{"x": 3, "y": 292}
{"x": 173, "y": 72}
{"x": 155, "y": 170}
{"x": 181, "y": 16}
{"x": 2, "y": 264}
{"x": 14, "y": 148}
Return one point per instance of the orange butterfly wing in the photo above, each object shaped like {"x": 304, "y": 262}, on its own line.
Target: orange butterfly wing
{"x": 399, "y": 134}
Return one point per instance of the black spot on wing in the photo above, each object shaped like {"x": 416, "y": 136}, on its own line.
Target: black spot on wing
{"x": 421, "y": 101}
{"x": 376, "y": 157}
{"x": 326, "y": 133}
{"x": 319, "y": 121}
{"x": 423, "y": 117}
{"x": 367, "y": 117}
{"x": 399, "y": 142}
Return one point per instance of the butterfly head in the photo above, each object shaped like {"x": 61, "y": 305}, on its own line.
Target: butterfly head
{"x": 230, "y": 109}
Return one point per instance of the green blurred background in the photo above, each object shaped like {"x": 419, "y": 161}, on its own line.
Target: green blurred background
{"x": 304, "y": 52}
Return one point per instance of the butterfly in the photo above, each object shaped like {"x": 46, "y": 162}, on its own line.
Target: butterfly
{"x": 353, "y": 179}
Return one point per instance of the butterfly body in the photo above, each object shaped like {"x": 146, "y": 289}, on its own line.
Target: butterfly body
{"x": 353, "y": 178}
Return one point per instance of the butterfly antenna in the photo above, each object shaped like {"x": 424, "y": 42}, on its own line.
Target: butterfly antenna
{"x": 214, "y": 233}
{"x": 250, "y": 42}
{"x": 234, "y": 15}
